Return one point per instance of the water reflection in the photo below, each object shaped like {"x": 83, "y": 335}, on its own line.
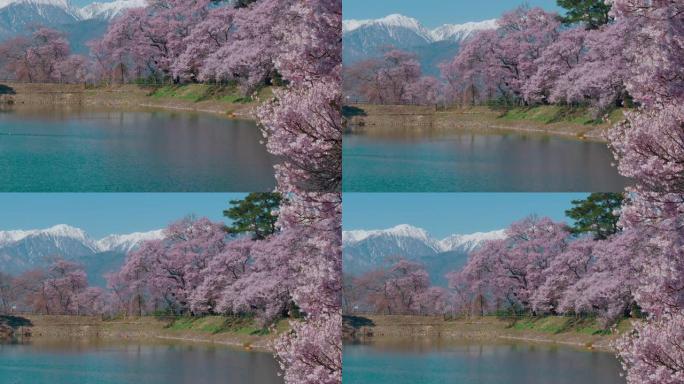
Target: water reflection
{"x": 72, "y": 149}
{"x": 91, "y": 361}
{"x": 455, "y": 160}
{"x": 411, "y": 361}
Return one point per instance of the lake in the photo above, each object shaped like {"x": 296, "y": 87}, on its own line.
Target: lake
{"x": 95, "y": 150}
{"x": 472, "y": 161}
{"x": 155, "y": 363}
{"x": 513, "y": 363}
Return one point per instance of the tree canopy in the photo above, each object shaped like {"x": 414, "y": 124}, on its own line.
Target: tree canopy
{"x": 592, "y": 13}
{"x": 597, "y": 214}
{"x": 255, "y": 214}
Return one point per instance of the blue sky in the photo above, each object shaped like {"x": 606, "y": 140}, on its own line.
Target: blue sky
{"x": 101, "y": 214}
{"x": 433, "y": 13}
{"x": 443, "y": 214}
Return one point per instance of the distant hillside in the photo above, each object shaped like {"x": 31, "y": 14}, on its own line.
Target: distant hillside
{"x": 20, "y": 17}
{"x": 23, "y": 250}
{"x": 363, "y": 39}
{"x": 367, "y": 250}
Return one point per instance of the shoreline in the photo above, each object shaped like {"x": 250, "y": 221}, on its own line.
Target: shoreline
{"x": 386, "y": 328}
{"x": 45, "y": 328}
{"x": 127, "y": 96}
{"x": 379, "y": 120}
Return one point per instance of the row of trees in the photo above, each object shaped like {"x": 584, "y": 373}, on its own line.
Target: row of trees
{"x": 178, "y": 40}
{"x": 296, "y": 43}
{"x": 533, "y": 57}
{"x": 628, "y": 49}
{"x": 540, "y": 267}
{"x": 44, "y": 56}
{"x": 60, "y": 289}
{"x": 199, "y": 267}
{"x": 648, "y": 148}
{"x": 395, "y": 78}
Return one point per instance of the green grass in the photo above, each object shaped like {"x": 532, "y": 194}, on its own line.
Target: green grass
{"x": 560, "y": 324}
{"x": 222, "y": 324}
{"x": 549, "y": 114}
{"x": 203, "y": 92}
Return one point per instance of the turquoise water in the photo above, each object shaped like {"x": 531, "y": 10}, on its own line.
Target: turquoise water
{"x": 60, "y": 150}
{"x": 463, "y": 161}
{"x": 74, "y": 363}
{"x": 477, "y": 364}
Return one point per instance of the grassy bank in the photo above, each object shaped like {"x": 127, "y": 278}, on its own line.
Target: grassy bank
{"x": 242, "y": 332}
{"x": 554, "y": 120}
{"x": 223, "y": 100}
{"x": 553, "y": 114}
{"x": 583, "y": 333}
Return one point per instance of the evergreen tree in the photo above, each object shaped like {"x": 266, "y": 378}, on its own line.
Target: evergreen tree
{"x": 592, "y": 13}
{"x": 598, "y": 214}
{"x": 255, "y": 214}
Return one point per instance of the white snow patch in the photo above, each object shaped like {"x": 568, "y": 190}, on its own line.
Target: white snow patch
{"x": 445, "y": 32}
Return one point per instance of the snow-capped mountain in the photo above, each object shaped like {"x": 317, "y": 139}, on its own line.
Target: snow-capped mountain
{"x": 127, "y": 243}
{"x": 20, "y": 17}
{"x": 21, "y": 250}
{"x": 363, "y": 39}
{"x": 395, "y": 24}
{"x": 109, "y": 10}
{"x": 364, "y": 250}
{"x": 461, "y": 32}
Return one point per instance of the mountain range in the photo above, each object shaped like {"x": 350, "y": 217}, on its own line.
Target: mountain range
{"x": 23, "y": 250}
{"x": 364, "y": 39}
{"x": 366, "y": 250}
{"x": 19, "y": 17}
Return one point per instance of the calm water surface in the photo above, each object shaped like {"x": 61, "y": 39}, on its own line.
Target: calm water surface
{"x": 92, "y": 363}
{"x": 403, "y": 363}
{"x": 469, "y": 161}
{"x": 72, "y": 150}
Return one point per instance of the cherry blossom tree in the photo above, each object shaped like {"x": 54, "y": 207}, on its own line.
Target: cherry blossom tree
{"x": 312, "y": 353}
{"x": 512, "y": 269}
{"x": 599, "y": 77}
{"x": 204, "y": 40}
{"x": 648, "y": 148}
{"x": 165, "y": 273}
{"x": 393, "y": 79}
{"x": 427, "y": 90}
{"x": 554, "y": 63}
{"x": 249, "y": 52}
{"x": 303, "y": 123}
{"x": 404, "y": 287}
{"x": 221, "y": 272}
{"x": 608, "y": 288}
{"x": 61, "y": 290}
{"x": 35, "y": 59}
{"x": 563, "y": 272}
{"x": 503, "y": 60}
{"x": 653, "y": 353}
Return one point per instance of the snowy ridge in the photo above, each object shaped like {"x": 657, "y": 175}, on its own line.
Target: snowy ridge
{"x": 109, "y": 10}
{"x": 471, "y": 241}
{"x": 97, "y": 10}
{"x": 64, "y": 4}
{"x": 403, "y": 230}
{"x": 456, "y": 241}
{"x": 363, "y": 251}
{"x": 59, "y": 233}
{"x": 127, "y": 243}
{"x": 461, "y": 32}
{"x": 456, "y": 32}
{"x": 389, "y": 23}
